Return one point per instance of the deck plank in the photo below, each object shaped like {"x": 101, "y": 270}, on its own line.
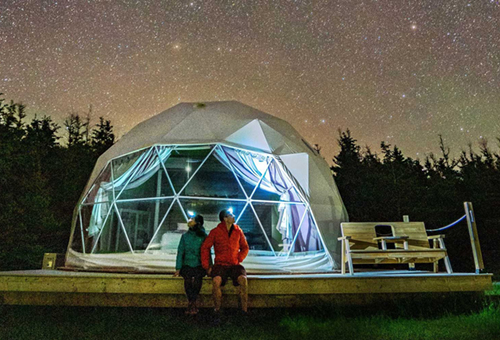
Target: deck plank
{"x": 158, "y": 290}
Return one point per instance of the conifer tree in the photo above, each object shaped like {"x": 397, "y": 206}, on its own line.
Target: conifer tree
{"x": 102, "y": 137}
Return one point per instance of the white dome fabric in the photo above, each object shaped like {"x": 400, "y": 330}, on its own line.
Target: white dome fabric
{"x": 205, "y": 157}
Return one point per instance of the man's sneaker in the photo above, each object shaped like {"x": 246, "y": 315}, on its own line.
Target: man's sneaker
{"x": 216, "y": 317}
{"x": 244, "y": 313}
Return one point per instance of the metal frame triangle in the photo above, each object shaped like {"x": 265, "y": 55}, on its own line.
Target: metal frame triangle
{"x": 160, "y": 225}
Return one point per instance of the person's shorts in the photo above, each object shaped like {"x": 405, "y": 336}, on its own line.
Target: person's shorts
{"x": 228, "y": 271}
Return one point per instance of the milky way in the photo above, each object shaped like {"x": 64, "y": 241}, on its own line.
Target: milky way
{"x": 397, "y": 70}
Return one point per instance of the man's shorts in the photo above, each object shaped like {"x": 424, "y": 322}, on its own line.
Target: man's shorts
{"x": 228, "y": 271}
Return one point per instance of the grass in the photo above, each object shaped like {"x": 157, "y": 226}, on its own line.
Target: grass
{"x": 495, "y": 291}
{"x": 454, "y": 320}
{"x": 483, "y": 325}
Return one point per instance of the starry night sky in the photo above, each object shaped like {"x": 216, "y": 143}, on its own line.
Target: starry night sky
{"x": 395, "y": 70}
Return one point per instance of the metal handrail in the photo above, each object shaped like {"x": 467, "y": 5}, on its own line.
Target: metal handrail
{"x": 449, "y": 225}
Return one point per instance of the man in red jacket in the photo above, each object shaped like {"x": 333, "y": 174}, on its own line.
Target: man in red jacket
{"x": 231, "y": 248}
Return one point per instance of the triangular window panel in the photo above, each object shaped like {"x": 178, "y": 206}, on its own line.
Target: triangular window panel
{"x": 265, "y": 193}
{"x": 247, "y": 186}
{"x": 247, "y": 166}
{"x": 167, "y": 235}
{"x": 214, "y": 179}
{"x": 149, "y": 182}
{"x": 249, "y": 223}
{"x": 150, "y": 179}
{"x": 110, "y": 237}
{"x": 126, "y": 164}
{"x": 269, "y": 216}
{"x": 183, "y": 163}
{"x": 210, "y": 209}
{"x": 165, "y": 185}
{"x": 141, "y": 219}
{"x": 308, "y": 239}
{"x": 250, "y": 135}
{"x": 101, "y": 189}
{"x": 78, "y": 237}
{"x": 90, "y": 221}
{"x": 166, "y": 188}
{"x": 268, "y": 189}
{"x": 141, "y": 180}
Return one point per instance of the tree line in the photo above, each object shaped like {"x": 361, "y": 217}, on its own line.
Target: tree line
{"x": 43, "y": 173}
{"x": 41, "y": 178}
{"x": 386, "y": 186}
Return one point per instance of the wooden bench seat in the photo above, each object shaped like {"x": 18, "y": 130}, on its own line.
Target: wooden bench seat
{"x": 361, "y": 245}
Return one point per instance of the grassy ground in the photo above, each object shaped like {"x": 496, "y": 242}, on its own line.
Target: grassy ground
{"x": 495, "y": 291}
{"x": 455, "y": 318}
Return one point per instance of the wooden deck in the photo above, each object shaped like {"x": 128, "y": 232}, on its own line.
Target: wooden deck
{"x": 55, "y": 287}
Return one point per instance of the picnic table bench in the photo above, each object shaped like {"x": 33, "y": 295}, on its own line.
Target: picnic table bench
{"x": 410, "y": 244}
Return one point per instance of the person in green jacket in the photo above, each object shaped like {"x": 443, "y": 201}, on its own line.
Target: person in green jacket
{"x": 188, "y": 264}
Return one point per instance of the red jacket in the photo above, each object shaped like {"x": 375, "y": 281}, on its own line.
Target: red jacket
{"x": 229, "y": 251}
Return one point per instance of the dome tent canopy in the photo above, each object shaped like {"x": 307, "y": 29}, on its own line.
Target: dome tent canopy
{"x": 201, "y": 158}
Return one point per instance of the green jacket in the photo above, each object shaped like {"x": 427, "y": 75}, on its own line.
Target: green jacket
{"x": 188, "y": 252}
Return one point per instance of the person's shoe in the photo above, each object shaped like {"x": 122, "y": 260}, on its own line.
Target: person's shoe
{"x": 195, "y": 308}
{"x": 217, "y": 317}
{"x": 189, "y": 310}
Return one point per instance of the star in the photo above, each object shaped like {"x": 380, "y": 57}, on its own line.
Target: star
{"x": 315, "y": 65}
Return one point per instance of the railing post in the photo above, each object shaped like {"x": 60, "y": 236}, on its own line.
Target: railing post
{"x": 406, "y": 219}
{"x": 474, "y": 238}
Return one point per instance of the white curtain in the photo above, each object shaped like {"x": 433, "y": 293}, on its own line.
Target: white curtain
{"x": 250, "y": 167}
{"x": 139, "y": 173}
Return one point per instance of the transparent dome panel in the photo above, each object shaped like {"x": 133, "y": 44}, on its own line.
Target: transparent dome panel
{"x": 102, "y": 188}
{"x": 248, "y": 166}
{"x": 210, "y": 209}
{"x": 90, "y": 221}
{"x": 154, "y": 184}
{"x": 307, "y": 238}
{"x": 168, "y": 233}
{"x": 254, "y": 231}
{"x": 111, "y": 237}
{"x": 183, "y": 163}
{"x": 125, "y": 163}
{"x": 233, "y": 160}
{"x": 141, "y": 219}
{"x": 214, "y": 179}
{"x": 277, "y": 220}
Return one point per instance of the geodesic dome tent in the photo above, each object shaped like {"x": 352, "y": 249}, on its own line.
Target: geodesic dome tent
{"x": 199, "y": 159}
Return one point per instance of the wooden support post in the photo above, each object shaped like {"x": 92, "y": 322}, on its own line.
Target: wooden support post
{"x": 411, "y": 265}
{"x": 474, "y": 238}
{"x": 435, "y": 266}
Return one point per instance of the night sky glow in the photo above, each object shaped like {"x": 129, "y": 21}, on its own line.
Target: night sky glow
{"x": 395, "y": 70}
